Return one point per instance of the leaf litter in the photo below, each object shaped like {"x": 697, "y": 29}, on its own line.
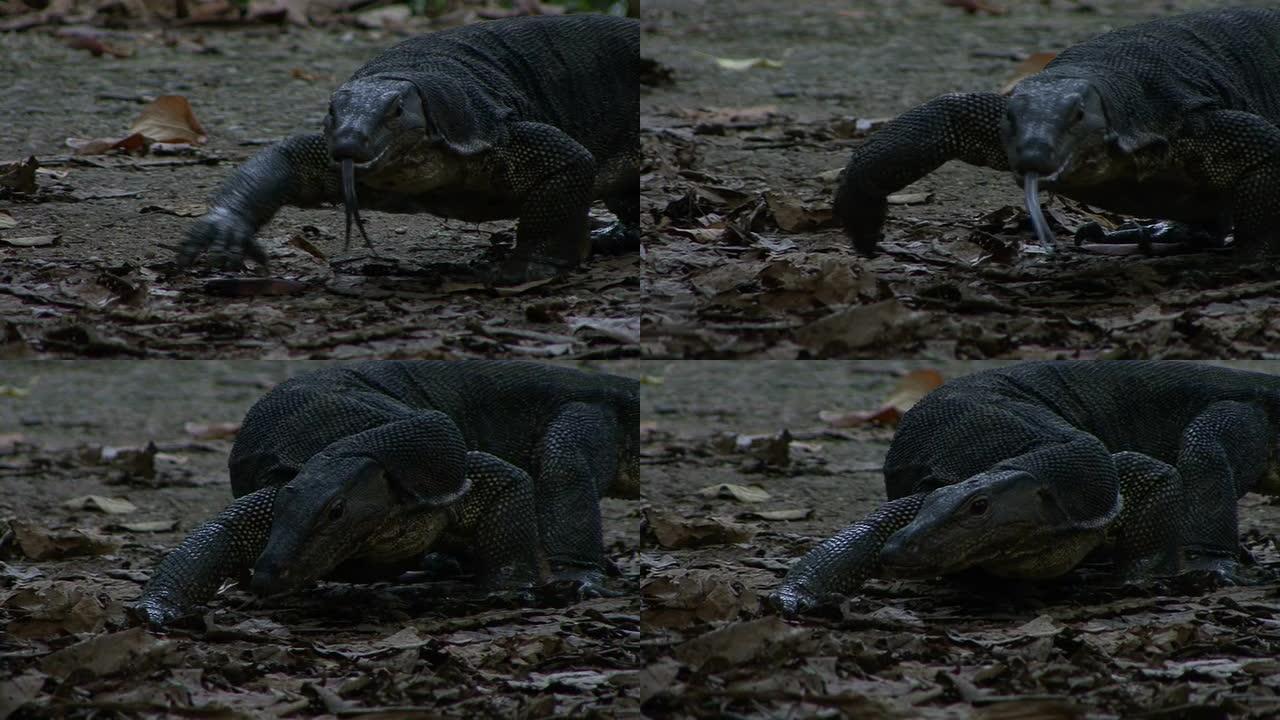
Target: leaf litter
{"x": 436, "y": 648}
{"x": 1074, "y": 647}
{"x": 93, "y": 272}
{"x": 744, "y": 259}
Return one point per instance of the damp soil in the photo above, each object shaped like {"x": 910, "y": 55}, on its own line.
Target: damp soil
{"x": 743, "y": 258}
{"x": 108, "y": 286}
{"x": 418, "y": 648}
{"x": 1075, "y": 647}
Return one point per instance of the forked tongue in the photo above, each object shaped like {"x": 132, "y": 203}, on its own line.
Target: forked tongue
{"x": 1031, "y": 183}
{"x": 349, "y": 201}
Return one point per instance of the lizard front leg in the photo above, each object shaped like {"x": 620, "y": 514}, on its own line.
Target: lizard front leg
{"x": 1225, "y": 452}
{"x": 553, "y": 175}
{"x": 951, "y": 127}
{"x": 841, "y": 563}
{"x": 1237, "y": 154}
{"x": 226, "y": 546}
{"x": 295, "y": 171}
{"x": 499, "y": 514}
{"x": 578, "y": 461}
{"x": 1149, "y": 530}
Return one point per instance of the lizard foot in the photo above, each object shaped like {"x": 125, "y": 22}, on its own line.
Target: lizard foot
{"x": 575, "y": 585}
{"x": 518, "y": 271}
{"x": 1220, "y": 571}
{"x": 156, "y": 612}
{"x": 226, "y": 236}
{"x": 863, "y": 218}
{"x": 439, "y": 566}
{"x": 618, "y": 238}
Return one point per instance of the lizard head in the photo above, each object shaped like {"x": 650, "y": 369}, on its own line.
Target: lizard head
{"x": 370, "y": 120}
{"x": 1050, "y": 122}
{"x": 1007, "y": 521}
{"x": 369, "y": 117}
{"x": 354, "y": 488}
{"x": 321, "y": 517}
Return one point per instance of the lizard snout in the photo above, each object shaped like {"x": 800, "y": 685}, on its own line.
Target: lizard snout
{"x": 1034, "y": 155}
{"x": 268, "y": 579}
{"x": 902, "y": 557}
{"x": 351, "y": 143}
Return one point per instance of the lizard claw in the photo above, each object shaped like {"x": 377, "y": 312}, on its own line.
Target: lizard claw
{"x": 863, "y": 218}
{"x": 618, "y": 238}
{"x": 156, "y": 612}
{"x": 227, "y": 236}
{"x": 792, "y": 600}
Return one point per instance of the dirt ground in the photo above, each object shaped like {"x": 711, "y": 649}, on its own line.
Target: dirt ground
{"x": 108, "y": 286}
{"x": 742, "y": 258}
{"x": 425, "y": 649}
{"x": 1072, "y": 648}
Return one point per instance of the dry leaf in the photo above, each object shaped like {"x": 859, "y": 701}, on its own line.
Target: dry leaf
{"x": 622, "y": 330}
{"x": 798, "y": 514}
{"x": 107, "y": 654}
{"x": 212, "y": 431}
{"x": 41, "y": 543}
{"x": 108, "y": 505}
{"x": 147, "y": 526}
{"x": 747, "y": 63}
{"x": 909, "y": 198}
{"x": 19, "y": 176}
{"x": 169, "y": 119}
{"x": 741, "y": 493}
{"x": 33, "y": 241}
{"x": 132, "y": 143}
{"x": 911, "y": 388}
{"x": 673, "y": 531}
{"x": 1032, "y": 65}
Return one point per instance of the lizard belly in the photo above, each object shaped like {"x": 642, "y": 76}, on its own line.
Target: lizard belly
{"x": 1140, "y": 184}
{"x": 428, "y": 178}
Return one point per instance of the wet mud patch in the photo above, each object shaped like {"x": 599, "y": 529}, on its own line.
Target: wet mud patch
{"x": 751, "y": 112}
{"x": 88, "y": 253}
{"x": 747, "y": 466}
{"x": 105, "y": 466}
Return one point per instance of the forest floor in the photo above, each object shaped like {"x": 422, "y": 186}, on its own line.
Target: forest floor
{"x": 156, "y": 435}
{"x": 753, "y": 107}
{"x": 733, "y": 502}
{"x": 88, "y": 257}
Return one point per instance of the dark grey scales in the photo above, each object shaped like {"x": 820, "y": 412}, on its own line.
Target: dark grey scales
{"x": 1025, "y": 470}
{"x": 528, "y": 118}
{"x": 355, "y": 471}
{"x": 1174, "y": 119}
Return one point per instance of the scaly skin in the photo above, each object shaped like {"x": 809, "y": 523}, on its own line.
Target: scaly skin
{"x": 528, "y": 118}
{"x": 1022, "y": 471}
{"x": 1174, "y": 119}
{"x": 370, "y": 463}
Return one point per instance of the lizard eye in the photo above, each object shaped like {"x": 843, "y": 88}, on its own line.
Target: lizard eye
{"x": 397, "y": 109}
{"x": 338, "y": 508}
{"x": 979, "y": 506}
{"x": 1079, "y": 114}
